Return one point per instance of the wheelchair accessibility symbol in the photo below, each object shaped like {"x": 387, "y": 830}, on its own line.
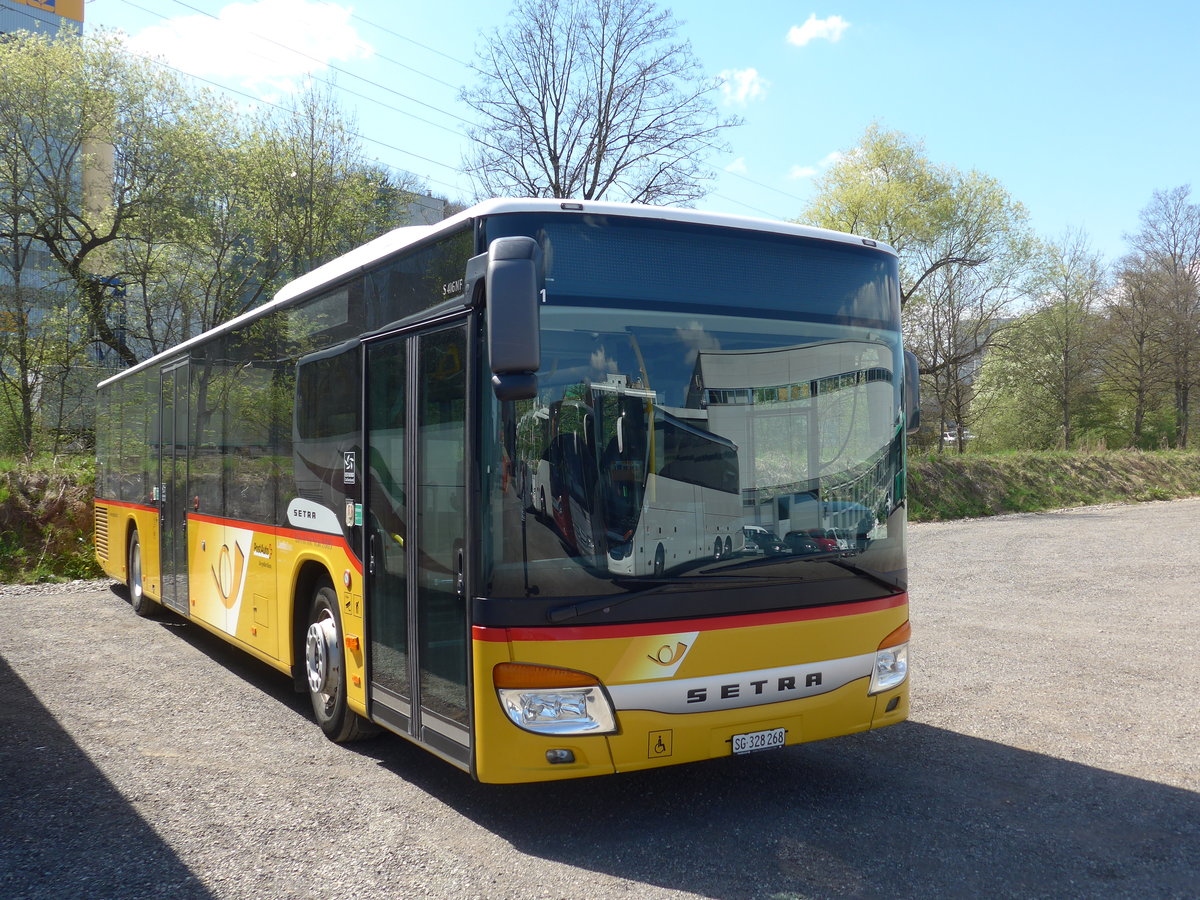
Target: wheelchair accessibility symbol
{"x": 659, "y": 744}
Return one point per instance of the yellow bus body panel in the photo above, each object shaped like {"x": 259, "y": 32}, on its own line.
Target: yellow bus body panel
{"x": 242, "y": 580}
{"x": 116, "y": 522}
{"x": 705, "y": 650}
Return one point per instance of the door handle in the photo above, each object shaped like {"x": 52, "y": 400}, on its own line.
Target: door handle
{"x": 459, "y": 579}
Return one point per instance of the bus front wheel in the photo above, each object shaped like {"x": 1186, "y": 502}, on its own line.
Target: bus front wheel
{"x": 142, "y": 605}
{"x": 660, "y": 561}
{"x": 325, "y": 670}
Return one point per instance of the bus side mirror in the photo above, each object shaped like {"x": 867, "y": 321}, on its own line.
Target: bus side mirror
{"x": 912, "y": 392}
{"x": 514, "y": 289}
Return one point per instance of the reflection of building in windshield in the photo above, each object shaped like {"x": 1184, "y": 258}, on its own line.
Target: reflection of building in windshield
{"x": 815, "y": 426}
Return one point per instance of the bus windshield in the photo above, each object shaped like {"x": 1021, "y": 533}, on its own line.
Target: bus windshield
{"x": 704, "y": 443}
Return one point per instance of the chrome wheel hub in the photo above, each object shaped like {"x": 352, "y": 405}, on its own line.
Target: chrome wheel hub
{"x": 321, "y": 657}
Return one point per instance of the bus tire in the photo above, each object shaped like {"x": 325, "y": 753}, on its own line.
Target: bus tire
{"x": 325, "y": 670}
{"x": 728, "y": 545}
{"x": 660, "y": 561}
{"x": 717, "y": 547}
{"x": 142, "y": 605}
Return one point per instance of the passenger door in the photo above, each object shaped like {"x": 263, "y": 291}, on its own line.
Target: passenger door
{"x": 415, "y": 518}
{"x": 173, "y": 479}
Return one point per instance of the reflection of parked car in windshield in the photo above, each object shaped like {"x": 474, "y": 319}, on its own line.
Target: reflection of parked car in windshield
{"x": 762, "y": 542}
{"x": 825, "y": 539}
{"x": 801, "y": 543}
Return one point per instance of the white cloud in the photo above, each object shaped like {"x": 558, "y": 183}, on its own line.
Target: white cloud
{"x": 740, "y": 86}
{"x": 228, "y": 46}
{"x": 814, "y": 29}
{"x": 738, "y": 166}
{"x": 829, "y": 159}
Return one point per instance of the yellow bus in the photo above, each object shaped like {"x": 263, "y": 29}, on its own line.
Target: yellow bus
{"x": 344, "y": 483}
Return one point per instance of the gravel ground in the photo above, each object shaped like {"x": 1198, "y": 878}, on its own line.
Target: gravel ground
{"x": 1052, "y": 752}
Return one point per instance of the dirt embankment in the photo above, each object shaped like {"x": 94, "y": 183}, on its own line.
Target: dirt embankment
{"x": 45, "y": 526}
{"x": 950, "y": 486}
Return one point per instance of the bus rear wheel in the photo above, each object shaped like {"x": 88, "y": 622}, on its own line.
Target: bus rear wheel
{"x": 325, "y": 670}
{"x": 142, "y": 605}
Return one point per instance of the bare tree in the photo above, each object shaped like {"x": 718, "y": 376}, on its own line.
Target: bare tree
{"x": 1169, "y": 242}
{"x": 592, "y": 99}
{"x": 1135, "y": 359}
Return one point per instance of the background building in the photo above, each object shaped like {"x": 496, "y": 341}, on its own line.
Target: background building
{"x": 41, "y": 16}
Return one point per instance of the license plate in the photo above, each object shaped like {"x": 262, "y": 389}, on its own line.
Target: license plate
{"x": 758, "y": 740}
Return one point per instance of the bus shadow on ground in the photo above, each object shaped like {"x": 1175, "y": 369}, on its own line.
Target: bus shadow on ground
{"x": 909, "y": 811}
{"x": 65, "y": 830}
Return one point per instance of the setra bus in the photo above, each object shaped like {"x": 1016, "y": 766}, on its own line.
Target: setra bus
{"x": 356, "y": 483}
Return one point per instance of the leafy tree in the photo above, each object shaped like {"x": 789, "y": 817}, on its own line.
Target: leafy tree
{"x": 164, "y": 211}
{"x": 591, "y": 99}
{"x": 23, "y": 299}
{"x": 104, "y": 135}
{"x": 1065, "y": 343}
{"x": 964, "y": 248}
{"x": 1039, "y": 387}
{"x": 315, "y": 196}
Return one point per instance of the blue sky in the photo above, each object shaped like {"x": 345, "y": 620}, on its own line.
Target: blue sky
{"x": 1080, "y": 110}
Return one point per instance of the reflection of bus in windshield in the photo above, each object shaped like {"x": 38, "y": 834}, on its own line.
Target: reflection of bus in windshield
{"x": 678, "y": 497}
{"x": 632, "y": 482}
{"x": 569, "y": 487}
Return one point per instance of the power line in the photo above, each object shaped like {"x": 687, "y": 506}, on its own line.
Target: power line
{"x": 259, "y": 100}
{"x": 322, "y": 62}
{"x": 769, "y": 215}
{"x": 397, "y": 34}
{"x": 284, "y": 109}
{"x": 328, "y": 83}
{"x": 411, "y": 41}
{"x": 398, "y": 110}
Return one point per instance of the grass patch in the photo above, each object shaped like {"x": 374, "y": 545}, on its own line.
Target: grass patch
{"x": 949, "y": 486}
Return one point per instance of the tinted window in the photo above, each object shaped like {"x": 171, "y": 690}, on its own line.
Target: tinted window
{"x": 664, "y": 264}
{"x": 418, "y": 280}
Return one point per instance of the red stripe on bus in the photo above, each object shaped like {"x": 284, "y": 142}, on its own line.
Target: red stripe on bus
{"x": 125, "y": 505}
{"x": 715, "y": 623}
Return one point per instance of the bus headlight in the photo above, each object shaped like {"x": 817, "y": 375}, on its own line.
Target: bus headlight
{"x": 891, "y": 661}
{"x": 548, "y": 700}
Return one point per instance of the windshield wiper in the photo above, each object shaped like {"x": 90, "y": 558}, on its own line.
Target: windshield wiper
{"x": 753, "y": 563}
{"x": 837, "y": 558}
{"x": 880, "y": 578}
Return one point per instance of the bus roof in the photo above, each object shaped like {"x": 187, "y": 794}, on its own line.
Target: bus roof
{"x": 386, "y": 245}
